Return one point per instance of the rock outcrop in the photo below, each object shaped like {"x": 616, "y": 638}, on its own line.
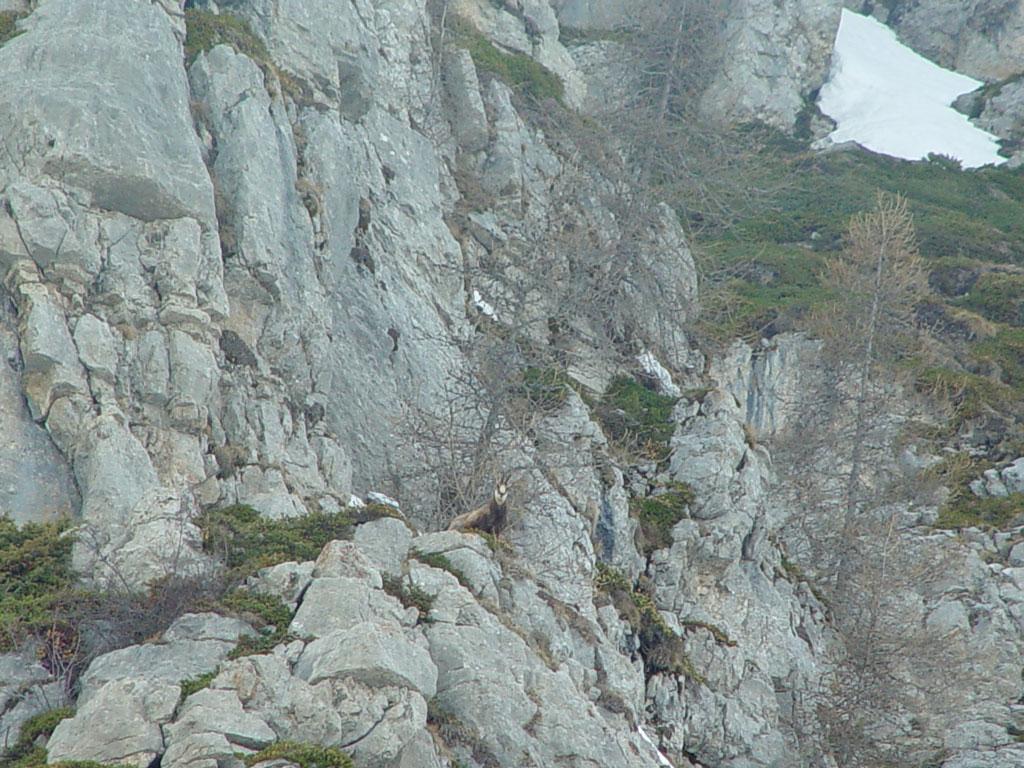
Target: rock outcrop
{"x": 980, "y": 38}
{"x": 261, "y": 273}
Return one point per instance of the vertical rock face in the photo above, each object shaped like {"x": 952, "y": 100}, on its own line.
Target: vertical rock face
{"x": 778, "y": 54}
{"x": 980, "y": 38}
{"x": 231, "y": 280}
{"x": 37, "y": 483}
{"x": 767, "y": 57}
{"x": 115, "y": 126}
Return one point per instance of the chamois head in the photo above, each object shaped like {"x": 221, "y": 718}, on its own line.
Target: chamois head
{"x": 501, "y": 489}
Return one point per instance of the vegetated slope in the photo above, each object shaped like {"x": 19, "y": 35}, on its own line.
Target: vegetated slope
{"x": 970, "y": 227}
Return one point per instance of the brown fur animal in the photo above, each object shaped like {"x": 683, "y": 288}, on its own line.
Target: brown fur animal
{"x": 491, "y": 517}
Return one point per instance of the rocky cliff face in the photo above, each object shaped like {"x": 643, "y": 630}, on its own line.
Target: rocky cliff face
{"x": 980, "y": 38}
{"x": 236, "y": 274}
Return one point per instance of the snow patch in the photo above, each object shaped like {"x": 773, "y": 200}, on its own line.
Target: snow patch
{"x": 483, "y": 306}
{"x": 662, "y": 760}
{"x": 891, "y": 100}
{"x": 373, "y": 497}
{"x": 654, "y": 369}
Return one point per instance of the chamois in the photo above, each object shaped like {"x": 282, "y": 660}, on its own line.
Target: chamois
{"x": 491, "y": 517}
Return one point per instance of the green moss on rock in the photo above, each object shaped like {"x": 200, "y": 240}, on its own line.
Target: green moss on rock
{"x": 517, "y": 70}
{"x": 9, "y": 25}
{"x": 968, "y": 511}
{"x": 206, "y": 30}
{"x": 663, "y": 649}
{"x": 246, "y": 541}
{"x": 659, "y": 513}
{"x": 637, "y": 418}
{"x": 303, "y": 755}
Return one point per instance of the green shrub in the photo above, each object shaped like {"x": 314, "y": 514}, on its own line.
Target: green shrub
{"x": 517, "y": 70}
{"x": 659, "y": 513}
{"x": 36, "y": 758}
{"x": 637, "y": 418}
{"x": 193, "y": 684}
{"x": 545, "y": 388}
{"x": 970, "y": 394}
{"x": 453, "y": 731}
{"x": 271, "y": 617}
{"x": 997, "y": 296}
{"x": 1005, "y": 350}
{"x": 960, "y": 214}
{"x": 965, "y": 510}
{"x": 371, "y": 512}
{"x": 720, "y": 635}
{"x": 662, "y": 649}
{"x": 439, "y": 561}
{"x": 409, "y": 595}
{"x": 303, "y": 755}
{"x": 35, "y": 577}
{"x": 25, "y": 753}
{"x": 8, "y": 25}
{"x": 246, "y": 541}
{"x": 205, "y": 30}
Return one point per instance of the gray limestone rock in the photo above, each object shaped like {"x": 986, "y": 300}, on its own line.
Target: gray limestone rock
{"x": 337, "y": 603}
{"x": 51, "y": 366}
{"x": 507, "y": 701}
{"x": 138, "y": 154}
{"x": 345, "y": 559}
{"x": 286, "y": 581}
{"x": 385, "y": 543}
{"x": 1013, "y": 476}
{"x": 194, "y": 645}
{"x": 776, "y": 56}
{"x": 980, "y": 38}
{"x": 463, "y": 88}
{"x": 47, "y": 227}
{"x": 373, "y": 653}
{"x": 26, "y": 689}
{"x": 97, "y": 347}
{"x": 218, "y": 711}
{"x": 293, "y": 708}
{"x": 469, "y": 554}
{"x": 35, "y": 480}
{"x": 119, "y": 723}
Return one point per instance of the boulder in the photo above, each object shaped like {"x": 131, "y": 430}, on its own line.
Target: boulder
{"x": 120, "y": 722}
{"x": 336, "y": 603}
{"x": 372, "y": 653}
{"x": 385, "y": 543}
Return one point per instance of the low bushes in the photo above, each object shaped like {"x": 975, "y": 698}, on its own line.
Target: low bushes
{"x": 35, "y": 578}
{"x": 245, "y": 541}
{"x": 206, "y": 30}
{"x": 517, "y": 70}
{"x": 662, "y": 649}
{"x": 303, "y": 755}
{"x": 637, "y": 418}
{"x": 967, "y": 511}
{"x": 659, "y": 513}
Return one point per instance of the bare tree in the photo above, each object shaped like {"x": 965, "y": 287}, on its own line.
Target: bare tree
{"x": 852, "y": 531}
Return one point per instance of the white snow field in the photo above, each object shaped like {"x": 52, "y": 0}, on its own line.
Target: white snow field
{"x": 891, "y": 100}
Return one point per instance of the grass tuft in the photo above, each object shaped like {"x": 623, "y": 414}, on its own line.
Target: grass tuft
{"x": 206, "y": 30}
{"x": 302, "y": 755}
{"x": 517, "y": 70}
{"x": 659, "y": 513}
{"x": 662, "y": 649}
{"x": 247, "y": 541}
{"x": 637, "y": 418}
{"x": 439, "y": 561}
